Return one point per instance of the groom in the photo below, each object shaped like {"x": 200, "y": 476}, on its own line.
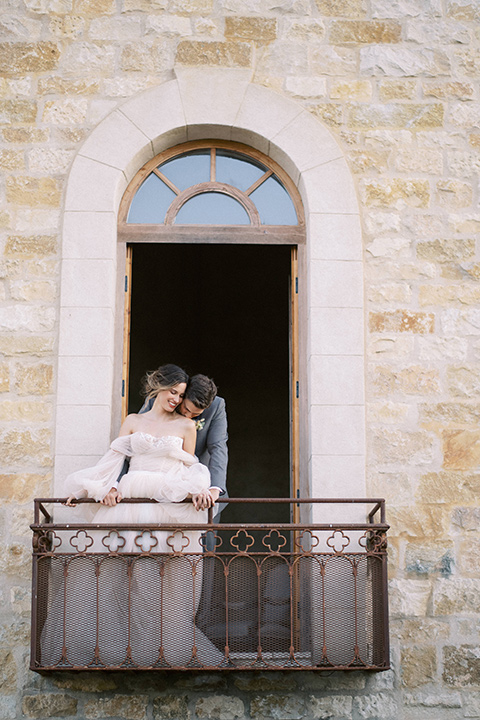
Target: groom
{"x": 202, "y": 404}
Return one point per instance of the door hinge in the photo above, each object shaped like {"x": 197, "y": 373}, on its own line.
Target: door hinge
{"x": 297, "y": 389}
{"x": 126, "y": 283}
{"x": 296, "y": 285}
{"x": 123, "y": 388}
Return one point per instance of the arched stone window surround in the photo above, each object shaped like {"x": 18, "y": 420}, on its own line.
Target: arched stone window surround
{"x": 223, "y": 104}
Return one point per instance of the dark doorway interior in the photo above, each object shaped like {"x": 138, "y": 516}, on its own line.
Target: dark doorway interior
{"x": 223, "y": 310}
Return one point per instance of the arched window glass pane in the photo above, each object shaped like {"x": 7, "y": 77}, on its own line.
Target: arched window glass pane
{"x": 187, "y": 170}
{"x": 212, "y": 208}
{"x": 274, "y": 204}
{"x": 151, "y": 202}
{"x": 237, "y": 170}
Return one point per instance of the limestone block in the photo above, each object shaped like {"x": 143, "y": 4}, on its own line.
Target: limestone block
{"x": 413, "y": 380}
{"x": 342, "y": 8}
{"x": 32, "y": 246}
{"x": 25, "y": 134}
{"x": 363, "y": 161}
{"x": 446, "y": 90}
{"x": 329, "y": 113}
{"x": 34, "y": 379}
{"x": 45, "y": 291}
{"x": 335, "y": 283}
{"x": 461, "y": 665}
{"x": 12, "y": 160}
{"x": 66, "y": 26}
{"x": 471, "y": 705}
{"x": 335, "y": 237}
{"x": 460, "y": 322}
{"x": 86, "y": 331}
{"x": 336, "y": 331}
{"x": 389, "y": 413}
{"x": 419, "y": 630}
{"x": 219, "y": 54}
{"x": 393, "y": 486}
{"x": 94, "y": 187}
{"x": 115, "y": 28}
{"x": 428, "y": 161}
{"x": 49, "y": 6}
{"x": 403, "y": 62}
{"x": 464, "y": 224}
{"x": 469, "y": 557}
{"x": 20, "y": 318}
{"x": 180, "y": 7}
{"x": 85, "y": 380}
{"x": 250, "y": 28}
{"x": 128, "y": 706}
{"x": 49, "y": 162}
{"x": 144, "y": 5}
{"x": 306, "y": 87}
{"x": 397, "y": 90}
{"x": 42, "y": 705}
{"x": 454, "y": 194}
{"x": 396, "y": 115}
{"x": 335, "y": 380}
{"x": 93, "y": 8}
{"x": 4, "y": 377}
{"x": 223, "y": 707}
{"x": 33, "y": 191}
{"x": 206, "y": 26}
{"x": 381, "y": 705}
{"x": 401, "y": 321}
{"x": 71, "y": 111}
{"x": 400, "y": 293}
{"x": 18, "y": 344}
{"x": 264, "y": 7}
{"x": 168, "y": 26}
{"x": 324, "y": 708}
{"x": 25, "y": 411}
{"x": 409, "y": 598}
{"x": 17, "y": 58}
{"x": 446, "y": 250}
{"x": 365, "y": 31}
{"x": 428, "y": 558}
{"x": 305, "y": 29}
{"x": 406, "y": 8}
{"x": 91, "y": 58}
{"x": 167, "y": 707}
{"x": 8, "y": 672}
{"x": 349, "y": 90}
{"x": 22, "y": 487}
{"x": 329, "y": 424}
{"x": 463, "y": 380}
{"x": 390, "y": 247}
{"x": 419, "y": 665}
{"x": 291, "y": 707}
{"x": 327, "y": 187}
{"x": 92, "y": 435}
{"x": 465, "y": 114}
{"x": 55, "y": 84}
{"x": 411, "y": 448}
{"x": 396, "y": 193}
{"x": 89, "y": 235}
{"x": 22, "y": 447}
{"x": 335, "y": 61}
{"x": 461, "y": 449}
{"x": 450, "y": 415}
{"x": 379, "y": 222}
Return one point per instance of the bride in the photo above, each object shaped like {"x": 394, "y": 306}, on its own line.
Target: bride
{"x": 161, "y": 589}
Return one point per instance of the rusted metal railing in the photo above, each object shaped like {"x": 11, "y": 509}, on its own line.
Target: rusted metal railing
{"x": 229, "y": 596}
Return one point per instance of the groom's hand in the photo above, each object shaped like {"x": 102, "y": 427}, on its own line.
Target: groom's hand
{"x": 111, "y": 498}
{"x": 206, "y": 499}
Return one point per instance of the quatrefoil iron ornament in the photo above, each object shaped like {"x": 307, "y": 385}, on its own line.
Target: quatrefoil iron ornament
{"x": 211, "y": 537}
{"x": 242, "y": 538}
{"x": 338, "y": 541}
{"x": 81, "y": 541}
{"x": 49, "y": 541}
{"x": 113, "y": 541}
{"x": 146, "y": 541}
{"x": 274, "y": 541}
{"x": 178, "y": 541}
{"x": 306, "y": 541}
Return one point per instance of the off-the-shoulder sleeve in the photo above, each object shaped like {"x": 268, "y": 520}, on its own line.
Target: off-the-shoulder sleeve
{"x": 96, "y": 481}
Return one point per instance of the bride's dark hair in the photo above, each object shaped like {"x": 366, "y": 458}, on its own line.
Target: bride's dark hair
{"x": 166, "y": 376}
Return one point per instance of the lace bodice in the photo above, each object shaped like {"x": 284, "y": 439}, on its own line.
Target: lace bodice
{"x": 154, "y": 453}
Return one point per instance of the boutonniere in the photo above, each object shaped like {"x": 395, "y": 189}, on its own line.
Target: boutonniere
{"x": 199, "y": 424}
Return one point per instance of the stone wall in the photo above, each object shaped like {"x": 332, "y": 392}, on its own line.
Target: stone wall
{"x": 397, "y": 83}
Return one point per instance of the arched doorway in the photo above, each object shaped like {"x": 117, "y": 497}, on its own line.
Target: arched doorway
{"x": 212, "y": 235}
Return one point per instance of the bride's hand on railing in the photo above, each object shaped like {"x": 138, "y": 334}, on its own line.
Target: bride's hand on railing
{"x": 206, "y": 499}
{"x": 71, "y": 501}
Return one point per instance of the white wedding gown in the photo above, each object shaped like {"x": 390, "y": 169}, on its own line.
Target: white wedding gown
{"x": 90, "y": 597}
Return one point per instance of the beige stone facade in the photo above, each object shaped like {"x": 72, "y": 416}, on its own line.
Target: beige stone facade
{"x": 373, "y": 108}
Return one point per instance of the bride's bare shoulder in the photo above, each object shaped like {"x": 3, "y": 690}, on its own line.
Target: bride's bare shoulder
{"x": 130, "y": 424}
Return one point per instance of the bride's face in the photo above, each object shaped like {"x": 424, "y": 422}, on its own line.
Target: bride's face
{"x": 170, "y": 398}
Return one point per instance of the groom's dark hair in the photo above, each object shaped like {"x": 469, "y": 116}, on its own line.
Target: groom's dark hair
{"x": 201, "y": 391}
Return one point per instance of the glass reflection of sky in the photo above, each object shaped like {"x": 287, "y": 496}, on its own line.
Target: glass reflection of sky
{"x": 237, "y": 171}
{"x": 188, "y": 170}
{"x": 212, "y": 208}
{"x": 274, "y": 204}
{"x": 151, "y": 202}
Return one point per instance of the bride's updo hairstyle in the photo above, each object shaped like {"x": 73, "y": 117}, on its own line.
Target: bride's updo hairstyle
{"x": 167, "y": 376}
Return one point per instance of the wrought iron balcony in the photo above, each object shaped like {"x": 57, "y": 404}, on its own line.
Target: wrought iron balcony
{"x": 306, "y": 595}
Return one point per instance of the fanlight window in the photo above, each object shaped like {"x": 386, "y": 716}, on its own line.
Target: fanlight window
{"x": 212, "y": 186}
